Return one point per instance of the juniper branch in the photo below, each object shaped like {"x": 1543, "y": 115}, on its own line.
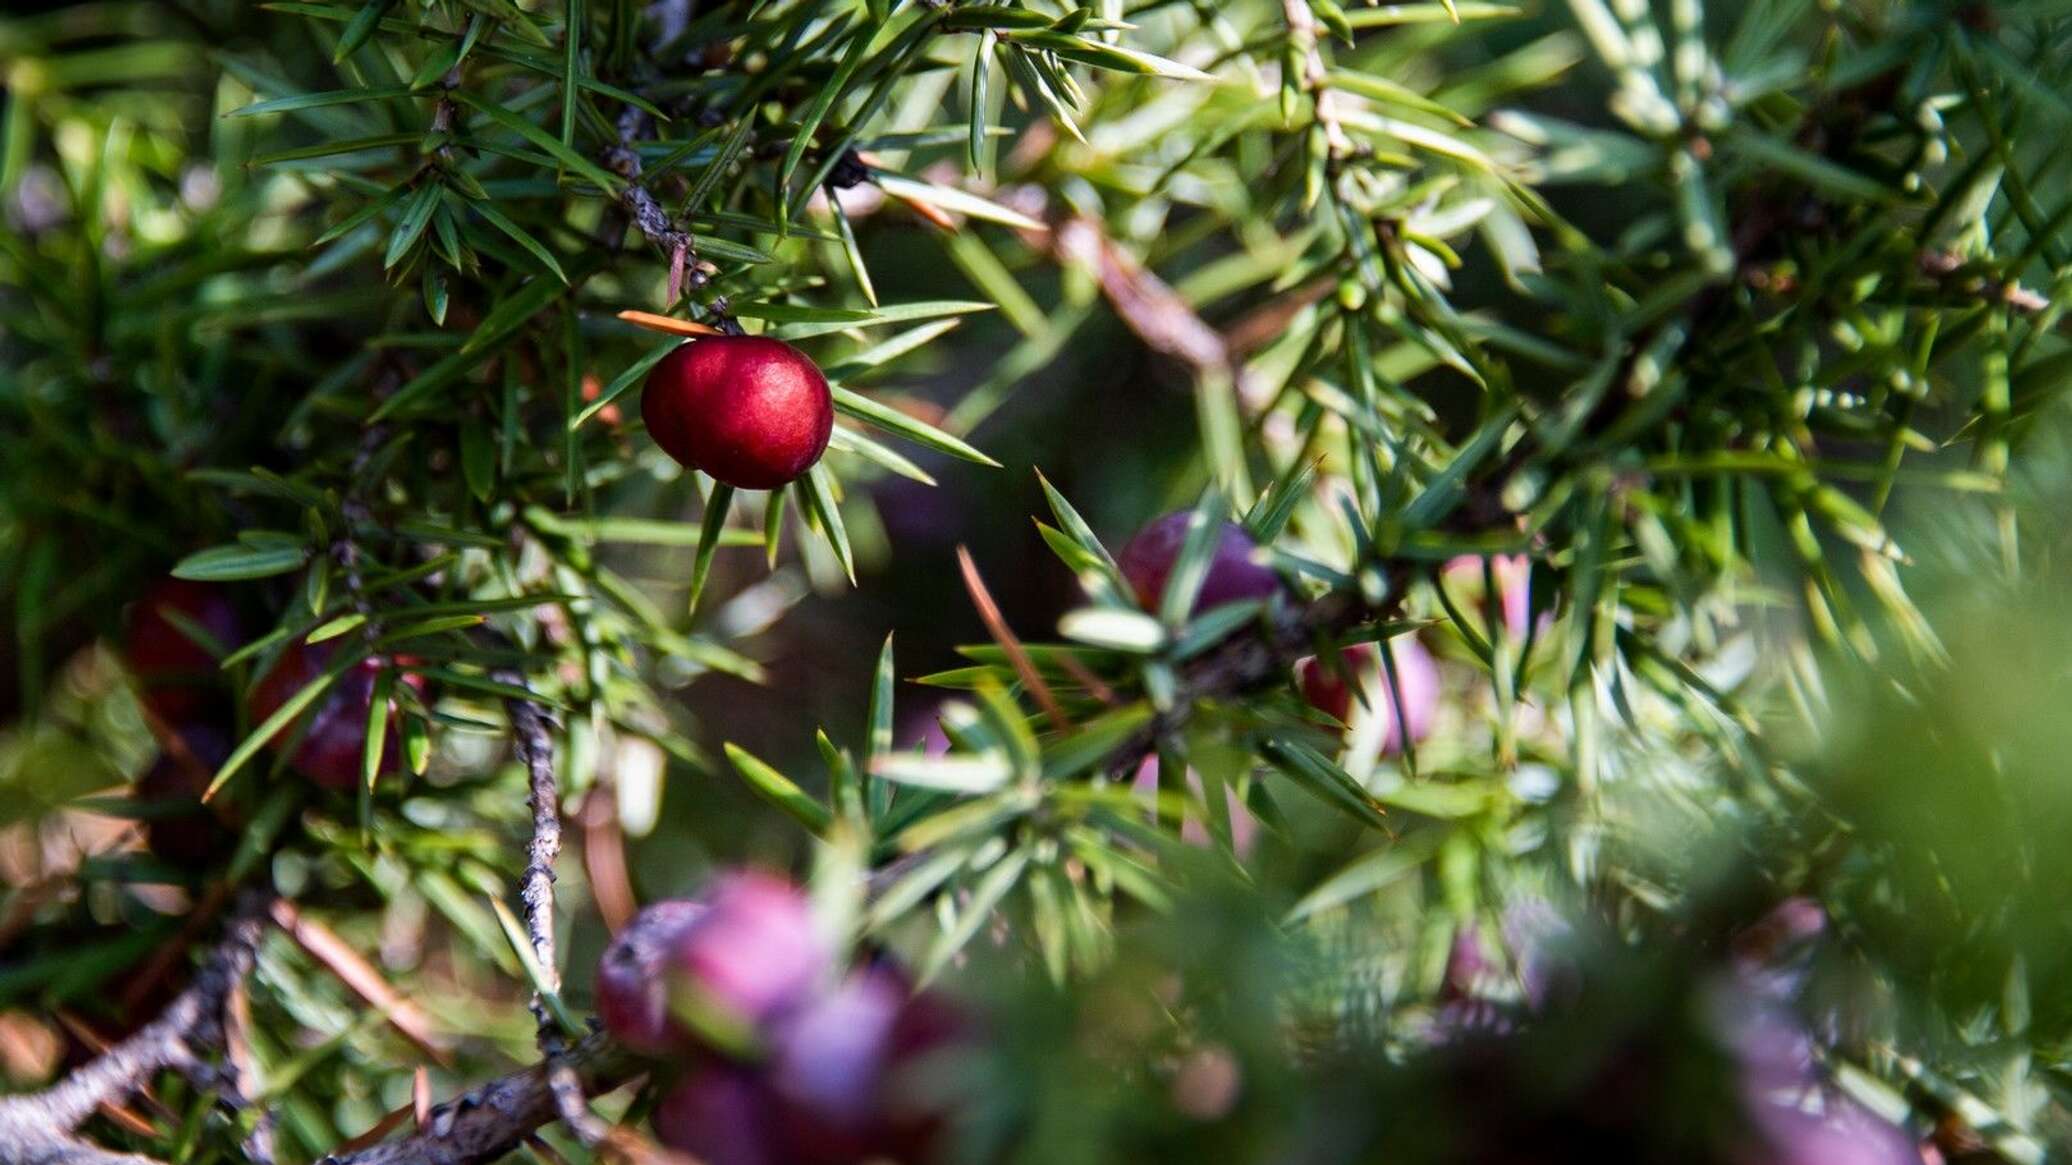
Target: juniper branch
{"x": 491, "y": 1119}
{"x": 641, "y": 205}
{"x": 535, "y": 748}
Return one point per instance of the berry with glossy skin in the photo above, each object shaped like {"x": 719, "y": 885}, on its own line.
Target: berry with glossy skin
{"x": 1234, "y": 576}
{"x": 753, "y": 954}
{"x": 1329, "y": 693}
{"x": 721, "y": 1115}
{"x": 749, "y": 411}
{"x": 179, "y": 675}
{"x": 182, "y": 831}
{"x": 329, "y": 750}
{"x": 632, "y": 987}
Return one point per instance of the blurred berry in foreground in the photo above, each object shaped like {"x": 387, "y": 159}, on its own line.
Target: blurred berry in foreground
{"x": 780, "y": 1063}
{"x": 632, "y": 986}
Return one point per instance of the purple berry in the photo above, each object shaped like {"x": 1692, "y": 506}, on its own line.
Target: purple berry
{"x": 741, "y": 955}
{"x": 330, "y": 751}
{"x": 1234, "y": 574}
{"x": 1829, "y": 1129}
{"x": 632, "y": 989}
{"x": 754, "y": 953}
{"x": 1537, "y": 936}
{"x": 721, "y": 1115}
{"x": 829, "y": 1063}
{"x": 847, "y": 1071}
{"x": 1797, "y": 1114}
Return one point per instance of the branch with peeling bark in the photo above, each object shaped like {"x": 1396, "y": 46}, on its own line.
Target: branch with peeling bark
{"x": 40, "y": 1128}
{"x": 533, "y": 741}
{"x": 647, "y": 213}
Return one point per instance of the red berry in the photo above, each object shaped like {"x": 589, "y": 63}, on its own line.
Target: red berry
{"x": 1329, "y": 693}
{"x": 632, "y": 987}
{"x": 749, "y": 411}
{"x": 721, "y": 1115}
{"x": 1234, "y": 574}
{"x": 178, "y": 672}
{"x": 329, "y": 752}
{"x": 182, "y": 831}
{"x": 753, "y": 954}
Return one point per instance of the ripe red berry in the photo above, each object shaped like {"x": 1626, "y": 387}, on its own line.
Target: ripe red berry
{"x": 632, "y": 987}
{"x": 181, "y": 830}
{"x": 329, "y": 752}
{"x": 1234, "y": 574}
{"x": 179, "y": 673}
{"x": 720, "y": 1115}
{"x": 749, "y": 411}
{"x": 1329, "y": 693}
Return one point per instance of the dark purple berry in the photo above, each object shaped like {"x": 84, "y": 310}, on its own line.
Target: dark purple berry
{"x": 1234, "y": 573}
{"x": 632, "y": 986}
{"x": 721, "y": 1115}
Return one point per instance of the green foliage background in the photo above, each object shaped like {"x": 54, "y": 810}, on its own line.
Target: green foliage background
{"x": 1740, "y": 322}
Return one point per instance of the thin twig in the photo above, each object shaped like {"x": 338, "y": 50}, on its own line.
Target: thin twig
{"x": 641, "y": 206}
{"x": 96, "y": 1046}
{"x": 996, "y": 624}
{"x": 1153, "y": 310}
{"x": 534, "y": 743}
{"x": 37, "y": 1128}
